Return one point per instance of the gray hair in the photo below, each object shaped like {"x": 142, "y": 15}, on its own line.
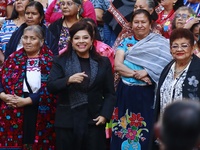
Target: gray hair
{"x": 151, "y": 4}
{"x": 185, "y": 8}
{"x": 182, "y": 8}
{"x": 37, "y": 29}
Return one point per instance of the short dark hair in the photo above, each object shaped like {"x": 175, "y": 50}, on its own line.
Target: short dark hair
{"x": 142, "y": 11}
{"x": 180, "y": 128}
{"x": 182, "y": 33}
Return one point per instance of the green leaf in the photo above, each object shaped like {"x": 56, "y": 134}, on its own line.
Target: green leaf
{"x": 140, "y": 130}
{"x": 144, "y": 123}
{"x": 129, "y": 141}
{"x": 114, "y": 125}
{"x": 134, "y": 128}
{"x": 136, "y": 139}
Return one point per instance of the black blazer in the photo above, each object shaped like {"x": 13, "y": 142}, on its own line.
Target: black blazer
{"x": 189, "y": 90}
{"x": 101, "y": 94}
{"x": 55, "y": 29}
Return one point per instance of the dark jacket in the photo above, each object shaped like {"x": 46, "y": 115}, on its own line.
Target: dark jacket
{"x": 55, "y": 29}
{"x": 11, "y": 46}
{"x": 189, "y": 90}
{"x": 101, "y": 94}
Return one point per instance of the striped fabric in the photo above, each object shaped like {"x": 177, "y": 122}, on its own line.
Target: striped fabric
{"x": 152, "y": 53}
{"x": 194, "y": 6}
{"x": 6, "y": 32}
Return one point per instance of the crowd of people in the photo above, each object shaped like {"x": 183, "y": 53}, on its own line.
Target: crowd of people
{"x": 100, "y": 75}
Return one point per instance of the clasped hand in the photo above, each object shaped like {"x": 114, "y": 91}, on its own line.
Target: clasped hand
{"x": 142, "y": 75}
{"x": 13, "y": 100}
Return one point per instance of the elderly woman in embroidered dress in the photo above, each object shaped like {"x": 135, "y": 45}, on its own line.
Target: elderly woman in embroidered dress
{"x": 139, "y": 60}
{"x": 27, "y": 109}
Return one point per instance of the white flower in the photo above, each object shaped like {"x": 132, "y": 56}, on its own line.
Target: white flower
{"x": 193, "y": 81}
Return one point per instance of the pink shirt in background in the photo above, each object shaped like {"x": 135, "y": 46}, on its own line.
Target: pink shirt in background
{"x": 54, "y": 12}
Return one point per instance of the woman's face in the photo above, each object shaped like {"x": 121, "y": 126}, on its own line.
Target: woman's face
{"x": 181, "y": 17}
{"x": 82, "y": 42}
{"x": 142, "y": 4}
{"x": 181, "y": 50}
{"x": 167, "y": 3}
{"x": 69, "y": 8}
{"x": 196, "y": 32}
{"x": 32, "y": 16}
{"x": 20, "y": 5}
{"x": 141, "y": 26}
{"x": 31, "y": 43}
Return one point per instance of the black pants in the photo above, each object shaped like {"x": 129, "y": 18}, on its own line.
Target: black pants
{"x": 94, "y": 139}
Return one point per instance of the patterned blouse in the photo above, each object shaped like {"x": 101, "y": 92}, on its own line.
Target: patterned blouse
{"x": 171, "y": 88}
{"x": 6, "y": 31}
{"x": 64, "y": 38}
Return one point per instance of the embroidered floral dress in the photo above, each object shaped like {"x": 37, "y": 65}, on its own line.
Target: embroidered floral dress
{"x": 133, "y": 115}
{"x": 12, "y": 120}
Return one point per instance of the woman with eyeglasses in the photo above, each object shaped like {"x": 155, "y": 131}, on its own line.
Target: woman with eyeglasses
{"x": 185, "y": 17}
{"x": 181, "y": 77}
{"x": 27, "y": 109}
{"x": 54, "y": 11}
{"x": 71, "y": 10}
{"x": 166, "y": 15}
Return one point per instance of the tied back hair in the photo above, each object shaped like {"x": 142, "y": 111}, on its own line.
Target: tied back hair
{"x": 82, "y": 25}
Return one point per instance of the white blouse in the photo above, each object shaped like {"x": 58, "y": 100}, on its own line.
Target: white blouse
{"x": 33, "y": 73}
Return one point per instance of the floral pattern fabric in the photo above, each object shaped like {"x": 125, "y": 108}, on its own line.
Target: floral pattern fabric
{"x": 132, "y": 117}
{"x": 64, "y": 38}
{"x": 129, "y": 126}
{"x": 171, "y": 88}
{"x": 11, "y": 120}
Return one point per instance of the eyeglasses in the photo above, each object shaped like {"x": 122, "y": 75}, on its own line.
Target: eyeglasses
{"x": 31, "y": 38}
{"x": 68, "y": 3}
{"x": 183, "y": 16}
{"x": 183, "y": 46}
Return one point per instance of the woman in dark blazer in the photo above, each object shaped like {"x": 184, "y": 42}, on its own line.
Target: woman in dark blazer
{"x": 180, "y": 79}
{"x": 84, "y": 83}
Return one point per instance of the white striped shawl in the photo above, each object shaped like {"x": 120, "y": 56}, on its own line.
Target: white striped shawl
{"x": 152, "y": 53}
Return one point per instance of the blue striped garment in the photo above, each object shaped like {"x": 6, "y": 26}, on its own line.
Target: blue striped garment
{"x": 6, "y": 31}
